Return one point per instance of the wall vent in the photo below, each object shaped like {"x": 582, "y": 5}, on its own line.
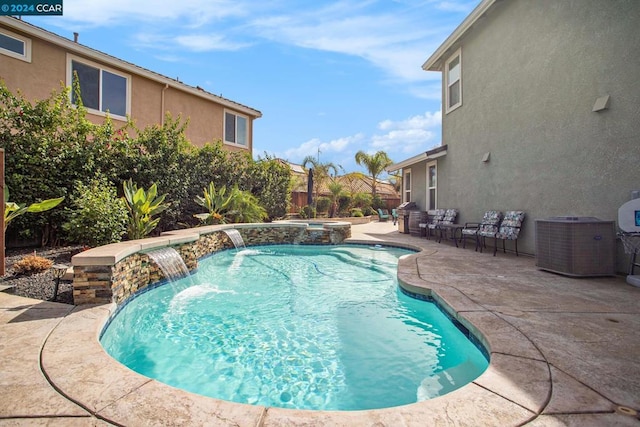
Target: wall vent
{"x": 576, "y": 246}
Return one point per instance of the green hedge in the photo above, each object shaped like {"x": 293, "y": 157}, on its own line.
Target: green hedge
{"x": 50, "y": 144}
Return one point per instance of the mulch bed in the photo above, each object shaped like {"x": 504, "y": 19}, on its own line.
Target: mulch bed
{"x": 40, "y": 285}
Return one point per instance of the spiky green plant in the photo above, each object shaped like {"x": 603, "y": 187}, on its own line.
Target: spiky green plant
{"x": 225, "y": 205}
{"x": 142, "y": 206}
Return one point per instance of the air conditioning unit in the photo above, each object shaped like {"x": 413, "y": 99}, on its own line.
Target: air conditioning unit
{"x": 576, "y": 246}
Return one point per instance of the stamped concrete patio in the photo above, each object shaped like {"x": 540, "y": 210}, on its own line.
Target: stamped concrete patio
{"x": 564, "y": 351}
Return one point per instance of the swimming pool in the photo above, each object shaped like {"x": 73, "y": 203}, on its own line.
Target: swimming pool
{"x": 307, "y": 327}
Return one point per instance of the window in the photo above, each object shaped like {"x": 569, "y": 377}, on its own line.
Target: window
{"x": 15, "y": 46}
{"x": 453, "y": 81}
{"x": 235, "y": 129}
{"x": 406, "y": 183}
{"x": 432, "y": 175}
{"x": 101, "y": 89}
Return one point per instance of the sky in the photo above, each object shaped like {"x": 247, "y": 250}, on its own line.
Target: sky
{"x": 329, "y": 77}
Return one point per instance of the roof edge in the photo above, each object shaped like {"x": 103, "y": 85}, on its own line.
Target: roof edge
{"x": 434, "y": 63}
{"x": 94, "y": 54}
{"x": 434, "y": 153}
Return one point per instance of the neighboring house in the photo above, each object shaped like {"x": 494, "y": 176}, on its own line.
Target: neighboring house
{"x": 541, "y": 113}
{"x": 37, "y": 62}
{"x": 351, "y": 184}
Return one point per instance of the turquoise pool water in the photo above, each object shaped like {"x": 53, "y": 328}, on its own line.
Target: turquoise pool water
{"x": 307, "y": 327}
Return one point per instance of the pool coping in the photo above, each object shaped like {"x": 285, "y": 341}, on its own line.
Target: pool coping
{"x": 524, "y": 384}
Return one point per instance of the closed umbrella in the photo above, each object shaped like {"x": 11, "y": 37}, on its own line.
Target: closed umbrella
{"x": 310, "y": 188}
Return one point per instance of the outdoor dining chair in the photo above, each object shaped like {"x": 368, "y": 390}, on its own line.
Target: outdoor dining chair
{"x": 509, "y": 230}
{"x": 489, "y": 224}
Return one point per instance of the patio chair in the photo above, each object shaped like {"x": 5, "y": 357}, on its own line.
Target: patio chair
{"x": 509, "y": 230}
{"x": 394, "y": 215}
{"x": 489, "y": 224}
{"x": 435, "y": 218}
{"x": 383, "y": 216}
{"x": 447, "y": 223}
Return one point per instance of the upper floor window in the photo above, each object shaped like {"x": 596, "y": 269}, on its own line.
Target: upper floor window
{"x": 235, "y": 129}
{"x": 15, "y": 46}
{"x": 101, "y": 89}
{"x": 453, "y": 81}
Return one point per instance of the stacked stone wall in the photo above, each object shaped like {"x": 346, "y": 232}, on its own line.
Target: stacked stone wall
{"x": 101, "y": 284}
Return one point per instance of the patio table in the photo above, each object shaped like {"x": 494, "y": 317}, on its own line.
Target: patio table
{"x": 456, "y": 229}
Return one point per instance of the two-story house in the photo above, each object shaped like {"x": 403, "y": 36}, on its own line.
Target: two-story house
{"x": 37, "y": 62}
{"x": 540, "y": 113}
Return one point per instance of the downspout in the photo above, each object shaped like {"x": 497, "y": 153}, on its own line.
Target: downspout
{"x": 166, "y": 86}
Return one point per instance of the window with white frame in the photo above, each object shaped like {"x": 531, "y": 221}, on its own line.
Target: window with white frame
{"x": 235, "y": 129}
{"x": 432, "y": 185}
{"x": 453, "y": 81}
{"x": 406, "y": 183}
{"x": 16, "y": 46}
{"x": 101, "y": 89}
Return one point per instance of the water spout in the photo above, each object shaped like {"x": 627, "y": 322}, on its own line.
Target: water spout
{"x": 236, "y": 238}
{"x": 170, "y": 262}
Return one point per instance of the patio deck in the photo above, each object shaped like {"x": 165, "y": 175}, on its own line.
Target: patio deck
{"x": 564, "y": 351}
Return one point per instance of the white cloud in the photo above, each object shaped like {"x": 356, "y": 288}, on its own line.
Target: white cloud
{"x": 395, "y": 43}
{"x": 456, "y": 6}
{"x": 408, "y": 136}
{"x": 330, "y": 151}
{"x": 207, "y": 42}
{"x": 123, "y": 12}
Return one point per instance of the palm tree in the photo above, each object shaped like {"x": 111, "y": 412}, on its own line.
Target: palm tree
{"x": 321, "y": 171}
{"x": 336, "y": 191}
{"x": 375, "y": 164}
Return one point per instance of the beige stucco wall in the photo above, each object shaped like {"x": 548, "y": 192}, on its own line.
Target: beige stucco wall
{"x": 38, "y": 79}
{"x": 531, "y": 72}
{"x": 47, "y": 71}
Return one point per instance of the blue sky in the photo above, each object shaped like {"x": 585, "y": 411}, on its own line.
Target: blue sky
{"x": 334, "y": 76}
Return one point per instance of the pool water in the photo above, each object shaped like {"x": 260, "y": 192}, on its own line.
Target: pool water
{"x": 306, "y": 327}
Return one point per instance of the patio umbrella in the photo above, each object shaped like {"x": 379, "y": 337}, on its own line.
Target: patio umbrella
{"x": 310, "y": 188}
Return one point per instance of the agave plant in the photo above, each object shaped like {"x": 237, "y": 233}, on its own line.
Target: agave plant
{"x": 229, "y": 205}
{"x": 13, "y": 210}
{"x": 143, "y": 206}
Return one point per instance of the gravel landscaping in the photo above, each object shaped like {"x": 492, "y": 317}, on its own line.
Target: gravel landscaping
{"x": 39, "y": 285}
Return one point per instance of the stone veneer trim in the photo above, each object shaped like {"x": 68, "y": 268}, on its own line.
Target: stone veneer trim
{"x": 113, "y": 273}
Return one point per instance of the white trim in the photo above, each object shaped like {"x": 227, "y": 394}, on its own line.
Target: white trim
{"x": 78, "y": 49}
{"x": 434, "y": 63}
{"x": 99, "y": 112}
{"x": 431, "y": 154}
{"x": 455, "y": 74}
{"x": 27, "y": 46}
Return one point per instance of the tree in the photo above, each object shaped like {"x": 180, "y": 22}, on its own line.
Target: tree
{"x": 375, "y": 164}
{"x": 336, "y": 191}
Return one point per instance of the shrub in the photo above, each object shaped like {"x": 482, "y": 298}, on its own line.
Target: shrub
{"x": 357, "y": 212}
{"x": 98, "y": 216}
{"x": 368, "y": 210}
{"x": 32, "y": 264}
{"x": 361, "y": 200}
{"x": 229, "y": 205}
{"x": 307, "y": 212}
{"x": 323, "y": 204}
{"x": 344, "y": 201}
{"x": 378, "y": 203}
{"x": 55, "y": 135}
